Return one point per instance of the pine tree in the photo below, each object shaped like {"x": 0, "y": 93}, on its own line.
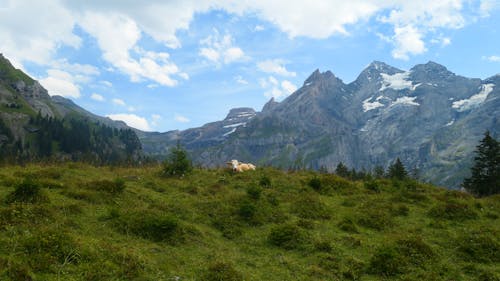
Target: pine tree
{"x": 397, "y": 170}
{"x": 342, "y": 170}
{"x": 177, "y": 162}
{"x": 485, "y": 178}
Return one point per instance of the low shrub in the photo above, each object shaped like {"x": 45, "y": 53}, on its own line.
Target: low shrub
{"x": 221, "y": 271}
{"x": 28, "y": 191}
{"x": 228, "y": 226}
{"x": 309, "y": 206}
{"x": 453, "y": 210}
{"x": 372, "y": 185}
{"x": 479, "y": 246}
{"x": 375, "y": 218}
{"x": 401, "y": 256}
{"x": 348, "y": 225}
{"x": 110, "y": 186}
{"x": 265, "y": 182}
{"x": 286, "y": 236}
{"x": 254, "y": 192}
{"x": 315, "y": 183}
{"x": 155, "y": 226}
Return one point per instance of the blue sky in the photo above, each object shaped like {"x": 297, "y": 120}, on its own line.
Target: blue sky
{"x": 165, "y": 65}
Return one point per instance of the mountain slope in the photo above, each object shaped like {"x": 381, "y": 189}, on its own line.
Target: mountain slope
{"x": 428, "y": 116}
{"x": 35, "y": 125}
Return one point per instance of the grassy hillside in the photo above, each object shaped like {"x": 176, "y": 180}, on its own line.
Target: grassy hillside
{"x": 77, "y": 222}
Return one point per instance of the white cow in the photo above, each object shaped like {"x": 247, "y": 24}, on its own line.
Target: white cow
{"x": 240, "y": 167}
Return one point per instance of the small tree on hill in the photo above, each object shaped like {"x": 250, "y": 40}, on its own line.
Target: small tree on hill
{"x": 485, "y": 178}
{"x": 177, "y": 162}
{"x": 397, "y": 170}
{"x": 342, "y": 170}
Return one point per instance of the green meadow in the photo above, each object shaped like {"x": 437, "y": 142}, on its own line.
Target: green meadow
{"x": 79, "y": 222}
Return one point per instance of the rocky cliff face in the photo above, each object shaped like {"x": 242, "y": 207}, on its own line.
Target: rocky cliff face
{"x": 428, "y": 116}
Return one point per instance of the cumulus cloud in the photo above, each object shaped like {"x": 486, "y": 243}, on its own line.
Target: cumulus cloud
{"x": 220, "y": 49}
{"x": 275, "y": 66}
{"x": 155, "y": 118}
{"x": 239, "y": 79}
{"x": 119, "y": 102}
{"x": 118, "y": 46}
{"x": 132, "y": 120}
{"x": 60, "y": 83}
{"x": 276, "y": 89}
{"x": 97, "y": 97}
{"x": 492, "y": 58}
{"x": 486, "y": 7}
{"x": 181, "y": 119}
{"x": 408, "y": 41}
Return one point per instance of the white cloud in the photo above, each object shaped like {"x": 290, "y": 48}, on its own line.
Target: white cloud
{"x": 155, "y": 118}
{"x": 407, "y": 41}
{"x": 181, "y": 119}
{"x": 132, "y": 120}
{"x": 275, "y": 66}
{"x": 240, "y": 80}
{"x": 276, "y": 89}
{"x": 61, "y": 83}
{"x": 220, "y": 49}
{"x": 488, "y": 6}
{"x": 258, "y": 28}
{"x": 106, "y": 83}
{"x": 97, "y": 97}
{"x": 131, "y": 108}
{"x": 119, "y": 102}
{"x": 117, "y": 36}
{"x": 492, "y": 58}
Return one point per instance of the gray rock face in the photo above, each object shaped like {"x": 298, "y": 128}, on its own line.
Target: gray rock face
{"x": 429, "y": 117}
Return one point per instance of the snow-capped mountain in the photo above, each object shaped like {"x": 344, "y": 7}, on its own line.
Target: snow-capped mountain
{"x": 428, "y": 116}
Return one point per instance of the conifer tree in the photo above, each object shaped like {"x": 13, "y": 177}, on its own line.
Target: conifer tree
{"x": 342, "y": 170}
{"x": 397, "y": 170}
{"x": 177, "y": 162}
{"x": 485, "y": 178}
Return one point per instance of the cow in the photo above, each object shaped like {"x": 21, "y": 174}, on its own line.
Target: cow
{"x": 240, "y": 167}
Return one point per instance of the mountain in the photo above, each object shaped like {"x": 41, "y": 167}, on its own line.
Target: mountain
{"x": 34, "y": 125}
{"x": 429, "y": 117}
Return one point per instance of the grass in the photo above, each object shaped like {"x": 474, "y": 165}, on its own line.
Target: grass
{"x": 78, "y": 222}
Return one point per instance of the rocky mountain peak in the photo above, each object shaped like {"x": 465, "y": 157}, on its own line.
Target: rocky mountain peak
{"x": 240, "y": 112}
{"x": 270, "y": 105}
{"x": 374, "y": 70}
{"x": 431, "y": 70}
{"x": 317, "y": 76}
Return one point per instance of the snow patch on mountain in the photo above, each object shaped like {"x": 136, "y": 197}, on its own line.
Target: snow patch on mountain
{"x": 398, "y": 81}
{"x": 230, "y": 132}
{"x": 368, "y": 105}
{"x": 405, "y": 101}
{"x": 475, "y": 100}
{"x": 235, "y": 125}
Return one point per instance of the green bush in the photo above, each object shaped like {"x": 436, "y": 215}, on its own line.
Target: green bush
{"x": 221, "y": 271}
{"x": 110, "y": 186}
{"x": 265, "y": 182}
{"x": 28, "y": 191}
{"x": 375, "y": 218}
{"x": 479, "y": 246}
{"x": 453, "y": 210}
{"x": 309, "y": 206}
{"x": 247, "y": 211}
{"x": 286, "y": 236}
{"x": 315, "y": 183}
{"x": 348, "y": 225}
{"x": 177, "y": 163}
{"x": 150, "y": 225}
{"x": 254, "y": 192}
{"x": 402, "y": 256}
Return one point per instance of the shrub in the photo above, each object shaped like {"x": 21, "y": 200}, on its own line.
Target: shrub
{"x": 110, "y": 186}
{"x": 47, "y": 248}
{"x": 375, "y": 218}
{"x": 453, "y": 210}
{"x": 479, "y": 247}
{"x": 348, "y": 225}
{"x": 228, "y": 226}
{"x": 315, "y": 183}
{"x": 254, "y": 192}
{"x": 403, "y": 255}
{"x": 221, "y": 271}
{"x": 150, "y": 225}
{"x": 265, "y": 182}
{"x": 309, "y": 206}
{"x": 28, "y": 191}
{"x": 247, "y": 211}
{"x": 177, "y": 163}
{"x": 372, "y": 185}
{"x": 286, "y": 236}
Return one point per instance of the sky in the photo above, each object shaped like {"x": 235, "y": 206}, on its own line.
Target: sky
{"x": 163, "y": 65}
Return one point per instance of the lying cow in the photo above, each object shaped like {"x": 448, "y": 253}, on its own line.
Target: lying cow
{"x": 240, "y": 167}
